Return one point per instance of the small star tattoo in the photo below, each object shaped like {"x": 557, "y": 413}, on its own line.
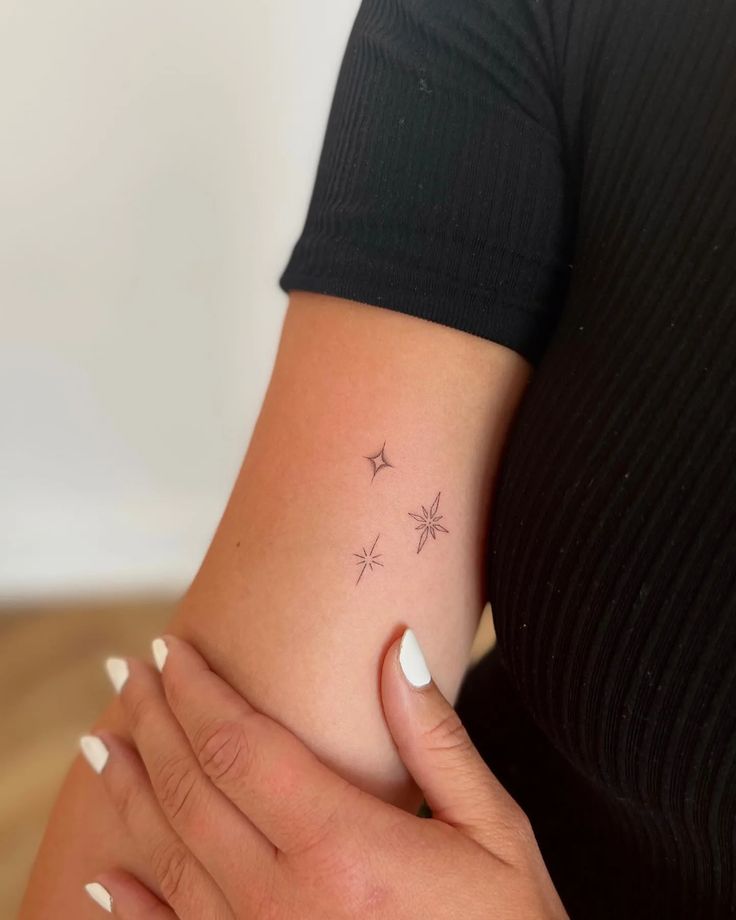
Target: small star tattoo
{"x": 368, "y": 559}
{"x": 379, "y": 461}
{"x": 428, "y": 522}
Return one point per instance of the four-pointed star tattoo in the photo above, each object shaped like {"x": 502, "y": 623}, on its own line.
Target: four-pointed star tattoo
{"x": 428, "y": 523}
{"x": 379, "y": 461}
{"x": 368, "y": 559}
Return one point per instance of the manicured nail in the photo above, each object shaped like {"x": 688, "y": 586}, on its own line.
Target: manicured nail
{"x": 160, "y": 651}
{"x": 412, "y": 661}
{"x": 117, "y": 671}
{"x": 94, "y": 751}
{"x": 99, "y": 895}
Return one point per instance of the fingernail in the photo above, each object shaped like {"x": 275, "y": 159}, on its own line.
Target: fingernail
{"x": 412, "y": 661}
{"x": 99, "y": 895}
{"x": 95, "y": 752}
{"x": 160, "y": 651}
{"x": 117, "y": 671}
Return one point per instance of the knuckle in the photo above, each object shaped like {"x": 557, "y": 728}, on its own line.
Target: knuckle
{"x": 448, "y": 734}
{"x": 519, "y": 828}
{"x": 223, "y": 751}
{"x": 175, "y": 783}
{"x": 169, "y": 863}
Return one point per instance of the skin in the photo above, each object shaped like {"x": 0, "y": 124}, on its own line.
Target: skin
{"x": 275, "y": 608}
{"x": 237, "y": 819}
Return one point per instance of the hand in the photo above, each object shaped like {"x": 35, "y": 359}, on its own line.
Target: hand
{"x": 238, "y": 819}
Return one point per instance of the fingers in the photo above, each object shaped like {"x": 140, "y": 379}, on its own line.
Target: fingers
{"x": 458, "y": 785}
{"x": 178, "y": 876}
{"x": 265, "y": 770}
{"x": 225, "y": 842}
{"x": 123, "y": 896}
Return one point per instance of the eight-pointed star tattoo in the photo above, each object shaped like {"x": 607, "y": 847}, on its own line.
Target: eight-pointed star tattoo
{"x": 368, "y": 559}
{"x": 428, "y": 522}
{"x": 379, "y": 461}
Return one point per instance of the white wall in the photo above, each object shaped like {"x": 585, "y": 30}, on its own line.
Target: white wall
{"x": 156, "y": 161}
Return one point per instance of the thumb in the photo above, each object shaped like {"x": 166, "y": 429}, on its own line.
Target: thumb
{"x": 437, "y": 750}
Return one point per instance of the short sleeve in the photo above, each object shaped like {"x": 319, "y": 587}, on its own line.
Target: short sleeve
{"x": 441, "y": 189}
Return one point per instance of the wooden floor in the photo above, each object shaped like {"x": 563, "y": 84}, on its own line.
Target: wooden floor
{"x": 52, "y": 686}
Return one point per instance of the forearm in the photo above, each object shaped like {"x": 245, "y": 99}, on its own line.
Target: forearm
{"x": 277, "y": 606}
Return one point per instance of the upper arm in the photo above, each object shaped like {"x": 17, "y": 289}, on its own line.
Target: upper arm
{"x": 282, "y": 581}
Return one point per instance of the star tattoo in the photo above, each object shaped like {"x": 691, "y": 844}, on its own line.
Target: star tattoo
{"x": 368, "y": 559}
{"x": 379, "y": 461}
{"x": 428, "y": 523}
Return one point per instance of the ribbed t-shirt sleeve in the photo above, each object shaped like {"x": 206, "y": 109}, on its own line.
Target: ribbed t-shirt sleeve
{"x": 441, "y": 189}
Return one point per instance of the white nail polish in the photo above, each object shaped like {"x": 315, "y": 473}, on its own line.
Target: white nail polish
{"x": 117, "y": 671}
{"x": 95, "y": 752}
{"x": 160, "y": 651}
{"x": 99, "y": 895}
{"x": 412, "y": 661}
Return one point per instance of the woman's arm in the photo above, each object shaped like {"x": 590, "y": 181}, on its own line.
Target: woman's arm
{"x": 283, "y": 607}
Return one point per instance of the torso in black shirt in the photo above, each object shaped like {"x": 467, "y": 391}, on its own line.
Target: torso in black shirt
{"x": 565, "y": 183}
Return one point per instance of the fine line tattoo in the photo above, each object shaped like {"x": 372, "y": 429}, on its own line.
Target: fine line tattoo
{"x": 368, "y": 559}
{"x": 379, "y": 461}
{"x": 428, "y": 522}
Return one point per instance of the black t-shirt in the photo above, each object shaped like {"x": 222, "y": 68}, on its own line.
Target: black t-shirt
{"x": 560, "y": 177}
